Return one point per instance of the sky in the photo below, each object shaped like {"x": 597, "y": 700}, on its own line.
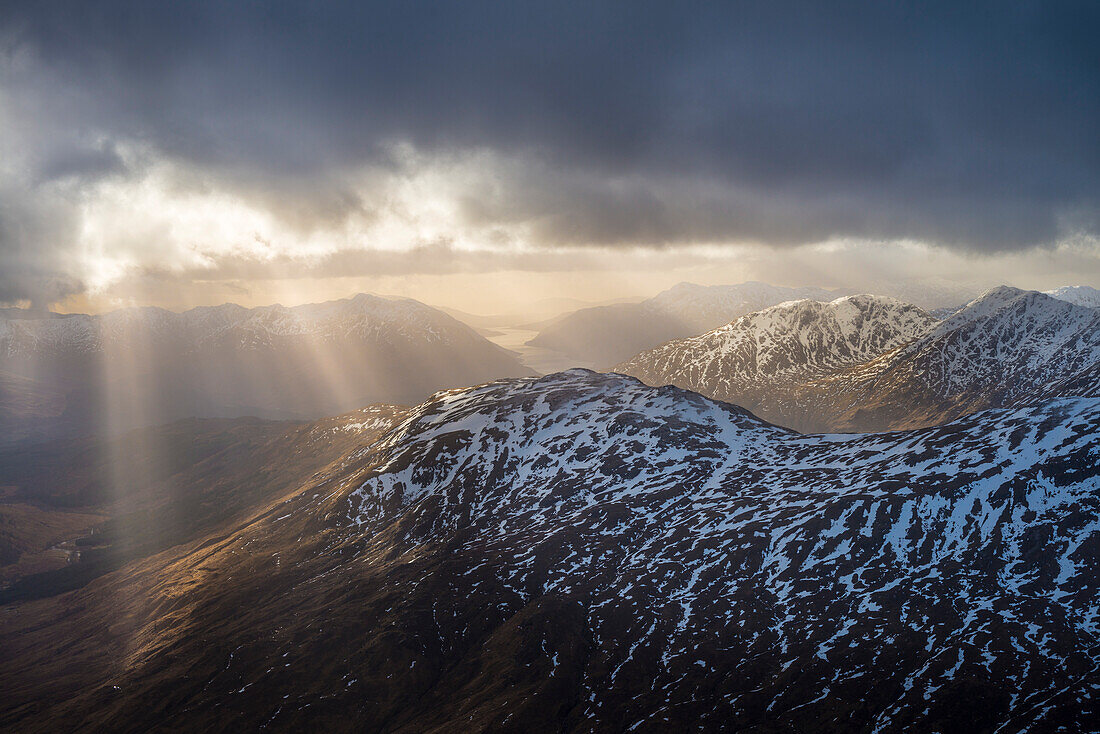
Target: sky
{"x": 488, "y": 155}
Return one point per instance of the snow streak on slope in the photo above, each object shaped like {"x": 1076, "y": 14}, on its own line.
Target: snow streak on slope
{"x": 890, "y": 580}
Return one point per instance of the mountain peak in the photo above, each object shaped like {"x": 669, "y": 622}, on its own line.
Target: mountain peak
{"x": 1000, "y": 294}
{"x": 1003, "y": 298}
{"x": 609, "y": 335}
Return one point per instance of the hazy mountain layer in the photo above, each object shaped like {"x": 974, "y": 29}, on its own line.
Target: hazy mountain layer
{"x": 585, "y": 553}
{"x": 147, "y": 366}
{"x": 74, "y": 509}
{"x": 606, "y": 335}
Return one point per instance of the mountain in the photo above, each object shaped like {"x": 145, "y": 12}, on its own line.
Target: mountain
{"x": 585, "y": 553}
{"x": 762, "y": 360}
{"x": 607, "y": 335}
{"x": 891, "y": 368}
{"x": 145, "y": 366}
{"x": 1085, "y": 383}
{"x": 1003, "y": 349}
{"x": 928, "y": 293}
{"x": 1081, "y": 295}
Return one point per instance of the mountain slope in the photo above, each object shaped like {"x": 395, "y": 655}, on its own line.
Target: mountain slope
{"x": 762, "y": 360}
{"x": 147, "y": 366}
{"x": 606, "y": 335}
{"x": 74, "y": 509}
{"x": 585, "y": 553}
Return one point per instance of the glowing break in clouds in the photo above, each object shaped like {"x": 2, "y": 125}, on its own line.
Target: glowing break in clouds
{"x": 197, "y": 140}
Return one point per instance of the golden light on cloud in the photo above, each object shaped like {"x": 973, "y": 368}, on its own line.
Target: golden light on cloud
{"x": 443, "y": 228}
{"x": 169, "y": 221}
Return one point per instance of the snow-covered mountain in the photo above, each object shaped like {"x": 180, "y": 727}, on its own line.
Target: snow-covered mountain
{"x": 1005, "y": 348}
{"x": 1081, "y": 295}
{"x": 761, "y": 360}
{"x": 144, "y": 365}
{"x": 900, "y": 369}
{"x": 606, "y": 335}
{"x": 582, "y": 552}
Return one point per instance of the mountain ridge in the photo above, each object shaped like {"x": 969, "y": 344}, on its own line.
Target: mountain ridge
{"x": 586, "y": 552}
{"x": 143, "y": 366}
{"x": 996, "y": 351}
{"x": 1081, "y": 295}
{"x": 761, "y": 359}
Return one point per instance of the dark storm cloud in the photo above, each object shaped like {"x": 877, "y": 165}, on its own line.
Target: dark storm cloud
{"x": 964, "y": 124}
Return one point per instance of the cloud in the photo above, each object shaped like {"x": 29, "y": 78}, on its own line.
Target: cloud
{"x": 33, "y": 268}
{"x": 545, "y": 125}
{"x": 81, "y": 164}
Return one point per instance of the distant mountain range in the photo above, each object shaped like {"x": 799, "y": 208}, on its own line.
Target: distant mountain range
{"x": 797, "y": 365}
{"x": 144, "y": 366}
{"x": 870, "y": 363}
{"x": 582, "y": 552}
{"x": 606, "y": 335}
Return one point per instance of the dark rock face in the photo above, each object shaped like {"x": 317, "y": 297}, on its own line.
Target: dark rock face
{"x": 888, "y": 369}
{"x": 585, "y": 553}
